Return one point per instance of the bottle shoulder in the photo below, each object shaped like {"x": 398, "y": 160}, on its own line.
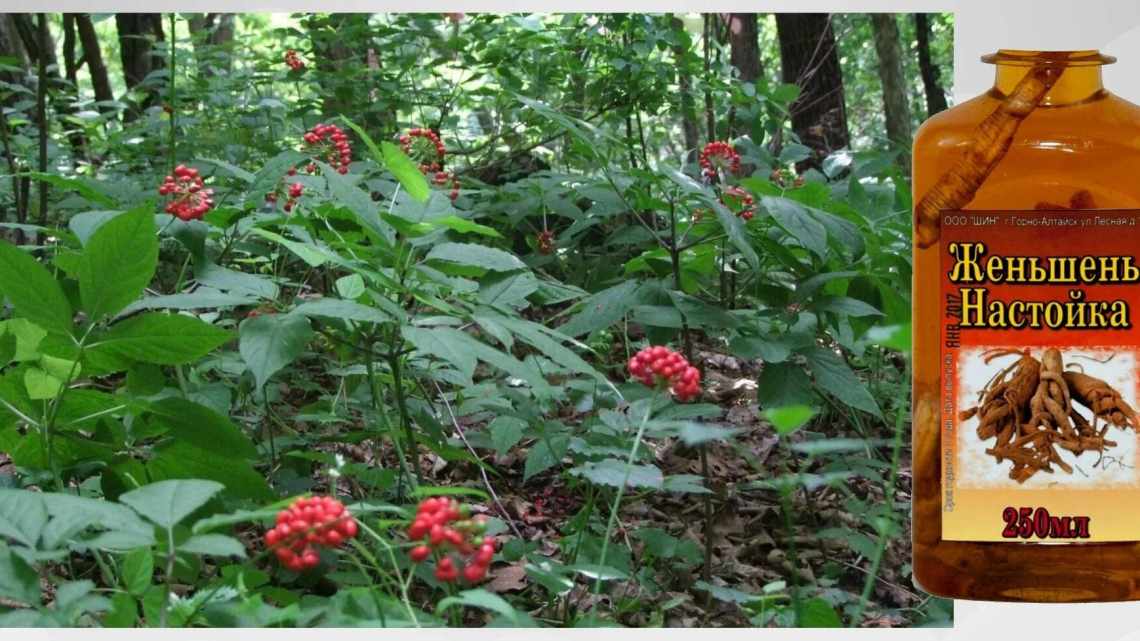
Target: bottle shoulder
{"x": 1104, "y": 121}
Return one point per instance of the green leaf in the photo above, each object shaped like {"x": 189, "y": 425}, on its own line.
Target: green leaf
{"x": 18, "y": 581}
{"x": 167, "y": 503}
{"x": 685, "y": 484}
{"x": 473, "y": 255}
{"x": 23, "y": 516}
{"x": 350, "y": 287}
{"x": 397, "y": 162}
{"x": 137, "y": 571}
{"x": 271, "y": 341}
{"x": 817, "y": 613}
{"x": 464, "y": 226}
{"x": 612, "y": 472}
{"x": 341, "y": 309}
{"x": 484, "y": 600}
{"x": 345, "y": 192}
{"x": 201, "y": 298}
{"x": 32, "y": 290}
{"x": 233, "y": 170}
{"x": 405, "y": 171}
{"x": 449, "y": 345}
{"x": 118, "y": 263}
{"x": 312, "y": 256}
{"x": 602, "y": 309}
{"x": 790, "y": 418}
{"x": 545, "y": 454}
{"x": 795, "y": 219}
{"x": 834, "y": 376}
{"x": 177, "y": 460}
{"x": 163, "y": 339}
{"x": 506, "y": 432}
{"x": 782, "y": 384}
{"x": 81, "y": 187}
{"x": 202, "y": 427}
{"x": 213, "y": 545}
{"x": 40, "y": 384}
{"x": 270, "y": 174}
{"x": 7, "y": 347}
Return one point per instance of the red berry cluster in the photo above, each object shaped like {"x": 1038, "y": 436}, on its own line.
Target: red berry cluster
{"x": 444, "y": 178}
{"x": 330, "y": 142}
{"x": 545, "y": 241}
{"x": 190, "y": 198}
{"x": 718, "y": 156}
{"x": 295, "y": 63}
{"x": 306, "y": 525}
{"x": 447, "y": 526}
{"x": 295, "y": 191}
{"x": 429, "y": 153}
{"x": 660, "y": 364}
{"x": 743, "y": 198}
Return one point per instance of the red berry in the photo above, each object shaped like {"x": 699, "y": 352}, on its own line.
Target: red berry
{"x": 419, "y": 553}
{"x": 474, "y": 573}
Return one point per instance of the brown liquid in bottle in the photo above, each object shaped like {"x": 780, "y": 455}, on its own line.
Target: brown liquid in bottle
{"x": 1079, "y": 148}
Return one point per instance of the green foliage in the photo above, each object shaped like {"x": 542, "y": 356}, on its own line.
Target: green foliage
{"x": 396, "y": 339}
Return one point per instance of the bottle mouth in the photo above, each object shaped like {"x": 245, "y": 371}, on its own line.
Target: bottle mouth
{"x": 1028, "y": 58}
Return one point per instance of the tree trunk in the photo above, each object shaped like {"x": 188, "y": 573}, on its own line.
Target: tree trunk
{"x": 12, "y": 46}
{"x": 935, "y": 94}
{"x": 689, "y": 128}
{"x": 809, "y": 59}
{"x": 896, "y": 107}
{"x": 744, "y": 54}
{"x": 212, "y": 30}
{"x": 93, "y": 56}
{"x": 43, "y": 44}
{"x": 75, "y": 136}
{"x": 137, "y": 34}
{"x": 744, "y": 42}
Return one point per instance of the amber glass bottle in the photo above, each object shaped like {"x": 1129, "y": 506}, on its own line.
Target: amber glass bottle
{"x": 1042, "y": 150}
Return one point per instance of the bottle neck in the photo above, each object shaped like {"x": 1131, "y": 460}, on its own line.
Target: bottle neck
{"x": 1076, "y": 84}
{"x": 1080, "y": 78}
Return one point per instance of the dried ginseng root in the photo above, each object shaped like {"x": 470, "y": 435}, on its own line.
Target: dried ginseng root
{"x": 992, "y": 139}
{"x": 1105, "y": 402}
{"x": 1005, "y": 398}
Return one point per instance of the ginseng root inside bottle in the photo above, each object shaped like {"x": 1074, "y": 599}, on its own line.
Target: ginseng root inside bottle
{"x": 1026, "y": 338}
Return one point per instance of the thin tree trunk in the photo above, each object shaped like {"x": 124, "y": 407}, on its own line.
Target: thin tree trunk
{"x": 211, "y": 30}
{"x": 93, "y": 56}
{"x": 931, "y": 84}
{"x": 744, "y": 40}
{"x": 896, "y": 107}
{"x": 744, "y": 54}
{"x": 809, "y": 59}
{"x": 43, "y": 43}
{"x": 710, "y": 113}
{"x": 12, "y": 46}
{"x": 690, "y": 130}
{"x": 137, "y": 34}
{"x": 71, "y": 68}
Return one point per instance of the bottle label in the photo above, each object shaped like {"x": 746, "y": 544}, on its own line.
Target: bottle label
{"x": 1040, "y": 359}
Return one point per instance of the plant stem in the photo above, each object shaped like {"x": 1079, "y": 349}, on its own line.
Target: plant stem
{"x": 885, "y": 532}
{"x": 173, "y": 112}
{"x": 621, "y": 493}
{"x": 168, "y": 578}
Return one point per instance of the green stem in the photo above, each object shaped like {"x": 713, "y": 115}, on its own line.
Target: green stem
{"x": 168, "y": 578}
{"x": 173, "y": 112}
{"x": 621, "y": 493}
{"x": 888, "y": 494}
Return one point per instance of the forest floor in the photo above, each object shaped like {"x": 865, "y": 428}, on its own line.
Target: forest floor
{"x": 753, "y": 545}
